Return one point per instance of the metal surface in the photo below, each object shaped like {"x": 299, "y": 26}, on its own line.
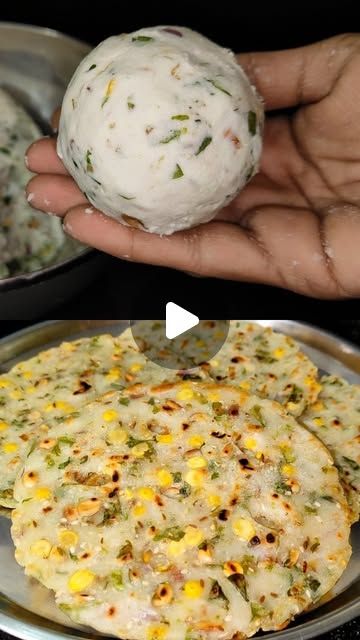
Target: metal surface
{"x": 36, "y": 65}
{"x": 27, "y": 609}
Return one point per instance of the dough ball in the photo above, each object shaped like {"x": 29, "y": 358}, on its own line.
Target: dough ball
{"x": 160, "y": 128}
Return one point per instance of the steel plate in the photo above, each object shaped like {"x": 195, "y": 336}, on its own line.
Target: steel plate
{"x": 27, "y": 609}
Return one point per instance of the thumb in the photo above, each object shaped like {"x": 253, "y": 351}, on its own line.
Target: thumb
{"x": 299, "y": 76}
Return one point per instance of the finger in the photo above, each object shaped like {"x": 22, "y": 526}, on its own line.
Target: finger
{"x": 55, "y": 118}
{"x": 42, "y": 157}
{"x": 196, "y": 250}
{"x": 55, "y": 194}
{"x": 297, "y": 76}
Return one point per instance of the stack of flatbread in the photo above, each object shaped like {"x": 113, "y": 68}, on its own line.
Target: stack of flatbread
{"x": 165, "y": 505}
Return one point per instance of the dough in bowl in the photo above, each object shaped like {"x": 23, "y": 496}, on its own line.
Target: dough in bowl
{"x": 160, "y": 128}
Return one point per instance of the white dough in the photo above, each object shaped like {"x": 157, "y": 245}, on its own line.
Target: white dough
{"x": 160, "y": 128}
{"x": 28, "y": 239}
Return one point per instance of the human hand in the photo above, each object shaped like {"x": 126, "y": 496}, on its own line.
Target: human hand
{"x": 296, "y": 224}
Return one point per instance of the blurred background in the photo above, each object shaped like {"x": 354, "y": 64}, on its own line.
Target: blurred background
{"x": 122, "y": 289}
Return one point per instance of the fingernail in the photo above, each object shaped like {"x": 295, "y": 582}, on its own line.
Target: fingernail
{"x": 67, "y": 227}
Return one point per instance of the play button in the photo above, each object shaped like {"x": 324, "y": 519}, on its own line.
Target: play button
{"x": 182, "y": 341}
{"x": 178, "y": 320}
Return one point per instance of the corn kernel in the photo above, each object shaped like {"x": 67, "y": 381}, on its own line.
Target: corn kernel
{"x": 146, "y": 493}
{"x": 147, "y": 556}
{"x": 68, "y": 538}
{"x": 30, "y": 479}
{"x": 110, "y": 88}
{"x": 26, "y": 374}
{"x": 319, "y": 422}
{"x": 68, "y": 347}
{"x": 88, "y": 508}
{"x": 136, "y": 367}
{"x": 3, "y": 425}
{"x": 193, "y": 588}
{"x": 66, "y": 407}
{"x": 41, "y": 548}
{"x": 164, "y": 477}
{"x": 140, "y": 449}
{"x": 213, "y": 396}
{"x": 195, "y": 441}
{"x": 110, "y": 415}
{"x": 138, "y": 510}
{"x": 279, "y": 352}
{"x": 10, "y": 447}
{"x": 156, "y": 632}
{"x": 80, "y": 580}
{"x": 193, "y": 536}
{"x": 117, "y": 436}
{"x": 244, "y": 385}
{"x": 288, "y": 469}
{"x": 292, "y": 406}
{"x": 42, "y": 493}
{"x": 196, "y": 462}
{"x": 214, "y": 363}
{"x": 195, "y": 477}
{"x": 4, "y": 383}
{"x": 176, "y": 547}
{"x": 164, "y": 438}
{"x": 250, "y": 443}
{"x": 185, "y": 394}
{"x": 231, "y": 567}
{"x": 57, "y": 554}
{"x": 113, "y": 374}
{"x": 128, "y": 494}
{"x": 214, "y": 500}
{"x": 243, "y": 528}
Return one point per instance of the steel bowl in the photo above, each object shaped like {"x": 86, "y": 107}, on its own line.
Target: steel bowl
{"x": 36, "y": 65}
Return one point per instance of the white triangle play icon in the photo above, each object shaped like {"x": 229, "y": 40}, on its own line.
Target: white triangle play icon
{"x": 178, "y": 320}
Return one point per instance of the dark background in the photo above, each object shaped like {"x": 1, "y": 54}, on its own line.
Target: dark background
{"x": 129, "y": 290}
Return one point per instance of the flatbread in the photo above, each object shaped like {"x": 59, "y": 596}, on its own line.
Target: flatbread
{"x": 28, "y": 239}
{"x": 335, "y": 419}
{"x": 37, "y": 393}
{"x": 49, "y": 388}
{"x": 182, "y": 511}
